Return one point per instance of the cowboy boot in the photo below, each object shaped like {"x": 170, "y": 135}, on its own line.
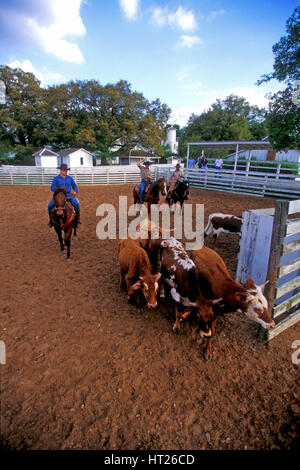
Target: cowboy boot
{"x": 77, "y": 219}
{"x": 50, "y": 223}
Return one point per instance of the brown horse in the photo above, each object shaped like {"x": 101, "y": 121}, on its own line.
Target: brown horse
{"x": 63, "y": 218}
{"x": 151, "y": 192}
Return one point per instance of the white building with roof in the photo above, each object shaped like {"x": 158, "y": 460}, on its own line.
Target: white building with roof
{"x": 77, "y": 158}
{"x": 73, "y": 157}
{"x": 46, "y": 158}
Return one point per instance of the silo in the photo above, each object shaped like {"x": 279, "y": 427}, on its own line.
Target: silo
{"x": 171, "y": 139}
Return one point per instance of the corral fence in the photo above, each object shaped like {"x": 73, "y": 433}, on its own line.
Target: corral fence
{"x": 31, "y": 175}
{"x": 274, "y": 184}
{"x": 248, "y": 181}
{"x": 270, "y": 250}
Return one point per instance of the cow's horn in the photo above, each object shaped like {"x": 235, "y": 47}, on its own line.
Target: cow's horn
{"x": 264, "y": 284}
{"x": 216, "y": 301}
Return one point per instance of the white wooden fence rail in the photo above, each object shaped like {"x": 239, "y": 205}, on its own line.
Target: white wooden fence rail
{"x": 251, "y": 182}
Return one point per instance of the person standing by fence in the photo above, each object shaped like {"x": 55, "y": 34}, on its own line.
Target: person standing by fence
{"x": 191, "y": 163}
{"x": 219, "y": 164}
{"x": 202, "y": 163}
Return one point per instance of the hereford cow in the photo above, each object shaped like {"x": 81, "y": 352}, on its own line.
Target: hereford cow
{"x": 215, "y": 282}
{"x": 218, "y": 223}
{"x": 179, "y": 272}
{"x": 135, "y": 267}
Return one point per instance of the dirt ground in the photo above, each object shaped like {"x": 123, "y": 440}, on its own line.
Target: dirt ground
{"x": 86, "y": 370}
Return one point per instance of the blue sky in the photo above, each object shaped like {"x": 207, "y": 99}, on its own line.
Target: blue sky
{"x": 187, "y": 53}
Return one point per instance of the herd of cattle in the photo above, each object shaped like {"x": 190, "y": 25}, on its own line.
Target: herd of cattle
{"x": 199, "y": 283}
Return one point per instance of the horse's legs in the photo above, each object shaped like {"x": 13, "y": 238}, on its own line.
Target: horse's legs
{"x": 60, "y": 239}
{"x": 68, "y": 241}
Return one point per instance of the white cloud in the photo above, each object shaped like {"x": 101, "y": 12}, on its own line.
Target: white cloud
{"x": 189, "y": 41}
{"x": 129, "y": 8}
{"x": 182, "y": 19}
{"x": 207, "y": 97}
{"x": 159, "y": 16}
{"x": 44, "y": 77}
{"x": 182, "y": 114}
{"x": 26, "y": 66}
{"x": 252, "y": 95}
{"x": 51, "y": 25}
{"x": 66, "y": 22}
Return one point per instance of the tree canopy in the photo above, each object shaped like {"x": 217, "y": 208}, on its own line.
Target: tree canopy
{"x": 78, "y": 113}
{"x": 286, "y": 52}
{"x": 283, "y": 116}
{"x": 230, "y": 119}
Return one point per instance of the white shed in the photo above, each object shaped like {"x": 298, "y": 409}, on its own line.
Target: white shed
{"x": 76, "y": 158}
{"x": 46, "y": 158}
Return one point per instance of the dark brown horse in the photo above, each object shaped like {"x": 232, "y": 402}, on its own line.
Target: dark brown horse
{"x": 180, "y": 193}
{"x": 63, "y": 218}
{"x": 151, "y": 192}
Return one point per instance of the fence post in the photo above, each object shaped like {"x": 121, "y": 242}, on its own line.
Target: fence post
{"x": 278, "y": 170}
{"x": 265, "y": 185}
{"x": 278, "y": 234}
{"x": 248, "y": 163}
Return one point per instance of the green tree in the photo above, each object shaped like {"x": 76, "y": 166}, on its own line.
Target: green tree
{"x": 286, "y": 52}
{"x": 230, "y": 119}
{"x": 20, "y": 115}
{"x": 283, "y": 115}
{"x": 283, "y": 120}
{"x": 79, "y": 113}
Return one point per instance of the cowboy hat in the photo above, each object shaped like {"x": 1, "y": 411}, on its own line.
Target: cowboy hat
{"x": 147, "y": 162}
{"x": 63, "y": 166}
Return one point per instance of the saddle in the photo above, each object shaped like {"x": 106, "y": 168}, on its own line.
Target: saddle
{"x": 69, "y": 202}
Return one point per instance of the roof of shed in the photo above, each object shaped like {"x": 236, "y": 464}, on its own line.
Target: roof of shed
{"x": 232, "y": 145}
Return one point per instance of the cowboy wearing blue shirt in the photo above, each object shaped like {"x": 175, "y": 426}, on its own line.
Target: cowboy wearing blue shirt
{"x": 64, "y": 180}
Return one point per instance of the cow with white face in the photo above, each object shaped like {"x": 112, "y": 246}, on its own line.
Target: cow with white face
{"x": 179, "y": 272}
{"x": 135, "y": 268}
{"x": 215, "y": 282}
{"x": 257, "y": 305}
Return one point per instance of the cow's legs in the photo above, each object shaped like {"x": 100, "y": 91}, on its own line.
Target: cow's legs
{"x": 162, "y": 290}
{"x": 208, "y": 352}
{"x": 121, "y": 279}
{"x": 176, "y": 327}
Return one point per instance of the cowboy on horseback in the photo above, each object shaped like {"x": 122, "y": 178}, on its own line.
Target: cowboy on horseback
{"x": 65, "y": 181}
{"x": 146, "y": 176}
{"x": 176, "y": 177}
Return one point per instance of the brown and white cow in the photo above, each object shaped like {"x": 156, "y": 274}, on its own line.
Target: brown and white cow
{"x": 215, "y": 282}
{"x": 179, "y": 272}
{"x": 218, "y": 223}
{"x": 135, "y": 267}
